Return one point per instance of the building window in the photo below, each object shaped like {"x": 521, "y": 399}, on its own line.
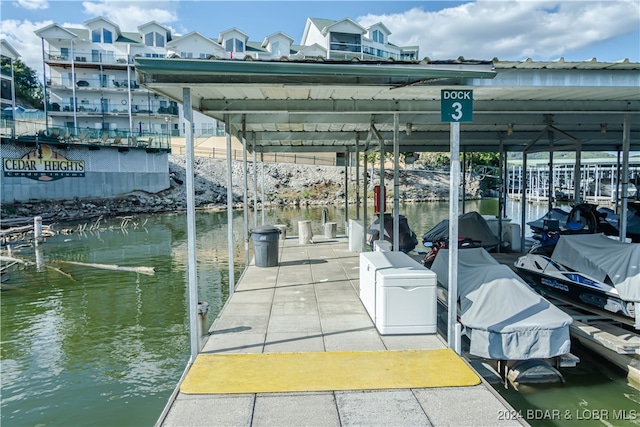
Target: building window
{"x": 234, "y": 45}
{"x": 347, "y": 42}
{"x": 275, "y": 48}
{"x": 186, "y": 54}
{"x": 154, "y": 39}
{"x": 378, "y": 36}
{"x": 204, "y": 55}
{"x": 101, "y": 35}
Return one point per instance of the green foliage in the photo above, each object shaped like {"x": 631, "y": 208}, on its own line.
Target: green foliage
{"x": 28, "y": 87}
{"x": 488, "y": 159}
{"x": 435, "y": 160}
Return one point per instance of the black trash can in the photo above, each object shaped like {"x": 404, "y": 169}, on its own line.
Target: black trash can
{"x": 265, "y": 245}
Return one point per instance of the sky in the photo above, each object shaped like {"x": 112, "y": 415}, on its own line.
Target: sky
{"x": 576, "y": 30}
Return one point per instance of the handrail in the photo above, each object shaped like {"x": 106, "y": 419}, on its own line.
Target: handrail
{"x": 28, "y": 131}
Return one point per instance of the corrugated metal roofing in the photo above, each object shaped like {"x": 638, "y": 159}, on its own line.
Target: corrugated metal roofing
{"x": 327, "y": 105}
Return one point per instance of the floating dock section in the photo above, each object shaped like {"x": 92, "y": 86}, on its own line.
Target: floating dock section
{"x": 294, "y": 345}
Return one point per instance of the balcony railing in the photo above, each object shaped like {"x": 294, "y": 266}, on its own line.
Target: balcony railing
{"x": 112, "y": 107}
{"x": 89, "y": 57}
{"x": 36, "y": 132}
{"x": 346, "y": 47}
{"x": 92, "y": 83}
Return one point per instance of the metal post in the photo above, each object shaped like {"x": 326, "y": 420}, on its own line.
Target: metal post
{"x": 232, "y": 280}
{"x": 191, "y": 229}
{"x": 617, "y": 175}
{"x": 577, "y": 176}
{"x": 626, "y": 143}
{"x": 454, "y": 178}
{"x": 381, "y": 193}
{"x": 464, "y": 180}
{"x": 255, "y": 181}
{"x": 73, "y": 89}
{"x": 357, "y": 176}
{"x": 13, "y": 98}
{"x": 245, "y": 190}
{"x": 551, "y": 192}
{"x": 523, "y": 201}
{"x": 346, "y": 192}
{"x": 365, "y": 184}
{"x": 500, "y": 192}
{"x": 262, "y": 169}
{"x": 44, "y": 90}
{"x": 396, "y": 182}
{"x": 505, "y": 183}
{"x": 129, "y": 89}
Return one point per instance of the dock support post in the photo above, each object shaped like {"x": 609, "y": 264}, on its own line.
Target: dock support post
{"x": 396, "y": 183}
{"x": 454, "y": 179}
{"x": 232, "y": 279}
{"x": 191, "y": 228}
{"x": 37, "y": 230}
{"x": 626, "y": 142}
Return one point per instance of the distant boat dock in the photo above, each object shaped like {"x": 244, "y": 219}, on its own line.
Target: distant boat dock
{"x": 598, "y": 180}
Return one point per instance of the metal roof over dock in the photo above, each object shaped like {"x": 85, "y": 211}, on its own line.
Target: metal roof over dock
{"x": 323, "y": 105}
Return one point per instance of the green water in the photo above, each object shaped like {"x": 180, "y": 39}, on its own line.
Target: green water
{"x": 94, "y": 347}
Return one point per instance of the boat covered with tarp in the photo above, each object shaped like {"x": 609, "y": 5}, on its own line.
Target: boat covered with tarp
{"x": 471, "y": 225}
{"x": 592, "y": 270}
{"x": 504, "y": 318}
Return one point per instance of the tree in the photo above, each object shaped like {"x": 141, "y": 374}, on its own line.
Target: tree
{"x": 28, "y": 87}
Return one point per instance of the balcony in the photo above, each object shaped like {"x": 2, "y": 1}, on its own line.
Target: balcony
{"x": 35, "y": 132}
{"x": 93, "y": 57}
{"x": 117, "y": 84}
{"x": 342, "y": 43}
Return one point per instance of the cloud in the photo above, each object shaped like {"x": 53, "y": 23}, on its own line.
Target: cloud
{"x": 129, "y": 15}
{"x": 20, "y": 34}
{"x": 33, "y": 4}
{"x": 510, "y": 29}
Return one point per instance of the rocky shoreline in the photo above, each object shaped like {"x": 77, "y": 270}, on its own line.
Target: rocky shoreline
{"x": 284, "y": 185}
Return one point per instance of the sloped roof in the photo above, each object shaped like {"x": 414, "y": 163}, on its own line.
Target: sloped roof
{"x": 325, "y": 105}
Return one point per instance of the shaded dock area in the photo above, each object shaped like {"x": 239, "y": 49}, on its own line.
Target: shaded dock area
{"x": 283, "y": 349}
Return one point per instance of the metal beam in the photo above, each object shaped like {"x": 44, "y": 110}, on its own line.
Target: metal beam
{"x": 424, "y": 106}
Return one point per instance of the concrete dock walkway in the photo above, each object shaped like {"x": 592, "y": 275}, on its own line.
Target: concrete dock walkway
{"x": 310, "y": 303}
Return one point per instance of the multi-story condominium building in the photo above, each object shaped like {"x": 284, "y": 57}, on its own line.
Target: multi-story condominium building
{"x": 7, "y": 90}
{"x": 90, "y": 79}
{"x": 90, "y": 75}
{"x": 346, "y": 40}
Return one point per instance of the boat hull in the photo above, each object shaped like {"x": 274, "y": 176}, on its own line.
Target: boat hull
{"x": 551, "y": 278}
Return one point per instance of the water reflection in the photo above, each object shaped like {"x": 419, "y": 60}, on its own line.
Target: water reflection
{"x": 107, "y": 347}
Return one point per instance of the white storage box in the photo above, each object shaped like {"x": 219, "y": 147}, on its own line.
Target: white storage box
{"x": 382, "y": 246}
{"x": 398, "y": 293}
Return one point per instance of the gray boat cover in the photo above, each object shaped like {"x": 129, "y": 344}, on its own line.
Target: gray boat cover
{"x": 600, "y": 256}
{"x": 504, "y": 318}
{"x": 555, "y": 213}
{"x": 471, "y": 225}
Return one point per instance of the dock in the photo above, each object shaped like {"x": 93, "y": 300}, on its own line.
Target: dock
{"x": 295, "y": 346}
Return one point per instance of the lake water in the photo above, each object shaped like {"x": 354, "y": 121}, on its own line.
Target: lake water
{"x": 93, "y": 347}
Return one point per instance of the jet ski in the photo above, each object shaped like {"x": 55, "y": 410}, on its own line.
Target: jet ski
{"x": 407, "y": 239}
{"x": 592, "y": 271}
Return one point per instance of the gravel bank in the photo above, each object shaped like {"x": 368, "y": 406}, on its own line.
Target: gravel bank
{"x": 285, "y": 184}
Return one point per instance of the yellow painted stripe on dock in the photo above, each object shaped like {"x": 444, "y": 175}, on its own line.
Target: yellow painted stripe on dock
{"x": 324, "y": 371}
